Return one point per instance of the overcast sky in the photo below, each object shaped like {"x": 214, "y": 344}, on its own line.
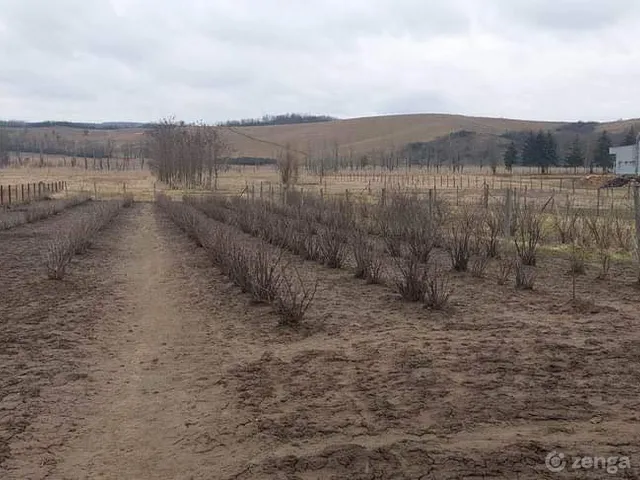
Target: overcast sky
{"x": 211, "y": 60}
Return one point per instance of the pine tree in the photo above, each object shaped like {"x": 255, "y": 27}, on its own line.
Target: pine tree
{"x": 630, "y": 137}
{"x": 575, "y": 156}
{"x": 529, "y": 154}
{"x": 601, "y": 155}
{"x": 549, "y": 150}
{"x": 510, "y": 156}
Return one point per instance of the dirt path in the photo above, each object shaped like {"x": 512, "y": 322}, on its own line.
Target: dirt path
{"x": 144, "y": 396}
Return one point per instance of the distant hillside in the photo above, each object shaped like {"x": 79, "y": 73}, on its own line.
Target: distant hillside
{"x": 468, "y": 138}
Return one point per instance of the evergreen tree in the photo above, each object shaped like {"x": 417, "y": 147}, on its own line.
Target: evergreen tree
{"x": 575, "y": 156}
{"x": 601, "y": 156}
{"x": 630, "y": 137}
{"x": 549, "y": 150}
{"x": 510, "y": 156}
{"x": 529, "y": 154}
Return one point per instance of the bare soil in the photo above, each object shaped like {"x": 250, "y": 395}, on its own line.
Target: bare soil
{"x": 145, "y": 363}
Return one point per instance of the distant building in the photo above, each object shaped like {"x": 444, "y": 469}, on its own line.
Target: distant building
{"x": 626, "y": 159}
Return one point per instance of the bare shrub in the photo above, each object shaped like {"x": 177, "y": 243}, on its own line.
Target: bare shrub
{"x": 375, "y": 271}
{"x": 601, "y": 229}
{"x": 265, "y": 275}
{"x": 525, "y": 275}
{"x": 332, "y": 245}
{"x": 577, "y": 259}
{"x": 58, "y": 256}
{"x": 505, "y": 267}
{"x": 362, "y": 253}
{"x": 565, "y": 221}
{"x": 412, "y": 283}
{"x": 438, "y": 289}
{"x": 237, "y": 263}
{"x": 623, "y": 233}
{"x": 479, "y": 265}
{"x": 529, "y": 233}
{"x": 492, "y": 223}
{"x": 293, "y": 298}
{"x": 459, "y": 243}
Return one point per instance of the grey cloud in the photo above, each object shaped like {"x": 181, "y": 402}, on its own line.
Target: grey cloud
{"x": 219, "y": 59}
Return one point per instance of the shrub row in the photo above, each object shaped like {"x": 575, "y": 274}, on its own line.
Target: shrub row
{"x": 256, "y": 271}
{"x": 77, "y": 239}
{"x": 38, "y": 211}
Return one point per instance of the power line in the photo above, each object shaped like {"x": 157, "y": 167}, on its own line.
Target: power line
{"x": 261, "y": 140}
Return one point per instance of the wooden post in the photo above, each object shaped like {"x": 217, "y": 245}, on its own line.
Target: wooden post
{"x": 1, "y": 195}
{"x": 22, "y": 191}
{"x": 29, "y": 191}
{"x": 508, "y": 205}
{"x": 383, "y": 196}
{"x": 260, "y": 189}
{"x": 486, "y": 196}
{"x": 9, "y": 187}
{"x": 598, "y": 205}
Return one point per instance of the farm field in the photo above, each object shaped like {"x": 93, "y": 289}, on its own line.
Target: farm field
{"x": 146, "y": 361}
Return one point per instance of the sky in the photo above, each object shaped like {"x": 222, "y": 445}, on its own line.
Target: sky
{"x": 214, "y": 60}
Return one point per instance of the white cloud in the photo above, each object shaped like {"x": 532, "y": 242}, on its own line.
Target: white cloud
{"x": 220, "y": 59}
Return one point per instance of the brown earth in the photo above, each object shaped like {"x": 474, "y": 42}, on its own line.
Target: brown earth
{"x": 145, "y": 363}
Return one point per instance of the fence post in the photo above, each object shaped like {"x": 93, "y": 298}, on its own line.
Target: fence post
{"x": 486, "y": 195}
{"x": 22, "y": 191}
{"x": 29, "y": 191}
{"x": 598, "y": 204}
{"x": 508, "y": 204}
{"x": 1, "y": 195}
{"x": 9, "y": 187}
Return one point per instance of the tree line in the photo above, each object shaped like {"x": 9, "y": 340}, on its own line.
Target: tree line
{"x": 540, "y": 149}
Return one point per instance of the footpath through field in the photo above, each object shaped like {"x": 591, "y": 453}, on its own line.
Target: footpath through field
{"x": 152, "y": 368}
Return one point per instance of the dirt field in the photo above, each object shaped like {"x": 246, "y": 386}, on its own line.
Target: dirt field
{"x": 146, "y": 363}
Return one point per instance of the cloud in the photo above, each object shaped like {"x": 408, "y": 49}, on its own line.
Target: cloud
{"x": 222, "y": 59}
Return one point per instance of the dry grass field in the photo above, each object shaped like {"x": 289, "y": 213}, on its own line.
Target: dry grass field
{"x": 146, "y": 360}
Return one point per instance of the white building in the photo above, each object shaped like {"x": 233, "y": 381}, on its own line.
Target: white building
{"x": 626, "y": 159}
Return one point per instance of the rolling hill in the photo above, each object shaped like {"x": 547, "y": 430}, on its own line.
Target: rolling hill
{"x": 357, "y": 136}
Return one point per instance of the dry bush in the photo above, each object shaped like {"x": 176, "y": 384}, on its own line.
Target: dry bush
{"x": 237, "y": 266}
{"x": 362, "y": 253}
{"x": 332, "y": 245}
{"x": 438, "y": 289}
{"x": 479, "y": 264}
{"x": 412, "y": 283}
{"x": 375, "y": 271}
{"x": 529, "y": 233}
{"x": 577, "y": 259}
{"x": 460, "y": 241}
{"x": 525, "y": 275}
{"x": 623, "y": 233}
{"x": 293, "y": 298}
{"x": 265, "y": 275}
{"x": 565, "y": 222}
{"x": 601, "y": 230}
{"x": 58, "y": 255}
{"x": 492, "y": 229}
{"x": 505, "y": 267}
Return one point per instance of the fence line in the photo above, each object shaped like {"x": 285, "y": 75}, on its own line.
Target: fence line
{"x": 28, "y": 192}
